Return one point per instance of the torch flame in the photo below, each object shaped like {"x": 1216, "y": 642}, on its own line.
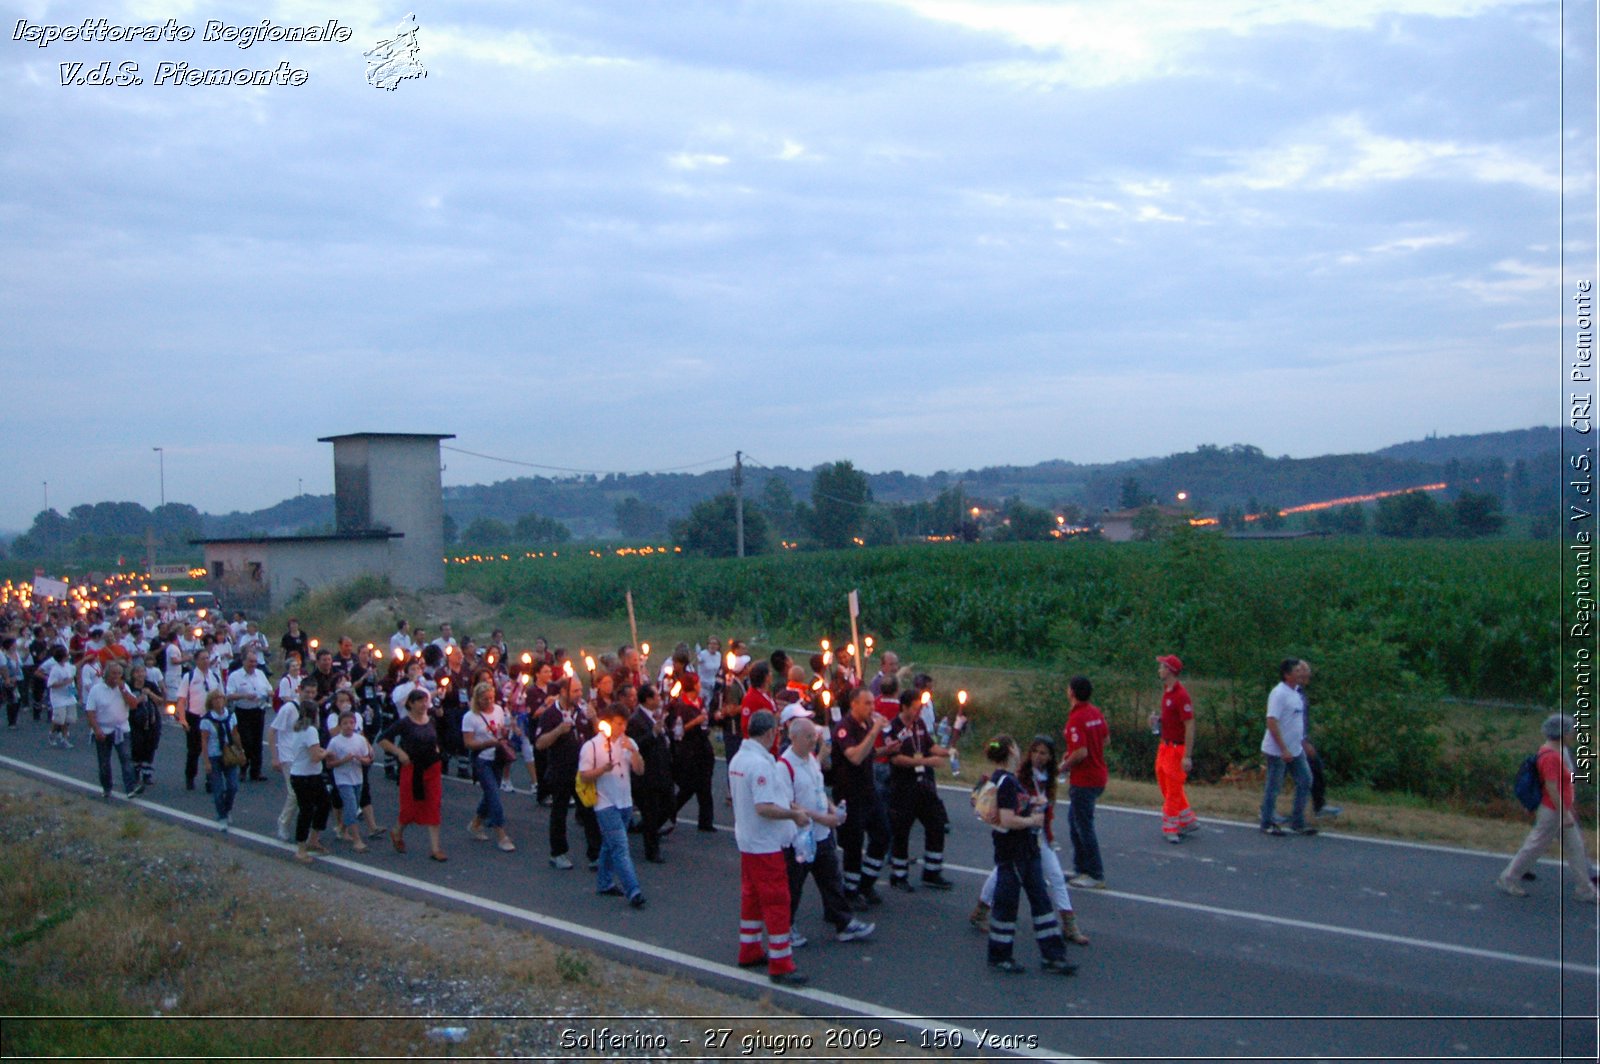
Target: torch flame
{"x": 566, "y": 667}
{"x": 961, "y": 697}
{"x": 826, "y": 646}
{"x": 677, "y": 689}
{"x": 927, "y": 698}
{"x": 527, "y": 658}
{"x": 588, "y": 662}
{"x": 644, "y": 650}
{"x": 827, "y": 698}
{"x": 605, "y": 728}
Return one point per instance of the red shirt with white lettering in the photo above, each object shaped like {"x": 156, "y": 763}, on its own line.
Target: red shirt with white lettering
{"x": 1086, "y": 730}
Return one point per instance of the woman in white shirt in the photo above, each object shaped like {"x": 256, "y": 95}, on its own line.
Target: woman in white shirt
{"x": 482, "y": 731}
{"x": 301, "y": 749}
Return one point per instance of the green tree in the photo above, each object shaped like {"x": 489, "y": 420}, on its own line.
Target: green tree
{"x": 1027, "y": 523}
{"x": 1348, "y": 520}
{"x": 637, "y": 519}
{"x": 485, "y": 532}
{"x": 534, "y": 528}
{"x": 778, "y": 503}
{"x": 1413, "y": 515}
{"x": 1133, "y": 495}
{"x": 711, "y": 528}
{"x": 839, "y": 498}
{"x": 1477, "y": 515}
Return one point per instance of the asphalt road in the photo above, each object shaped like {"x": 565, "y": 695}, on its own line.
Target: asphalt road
{"x": 1231, "y": 946}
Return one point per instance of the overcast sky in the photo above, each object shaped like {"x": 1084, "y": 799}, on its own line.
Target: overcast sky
{"x": 918, "y": 234}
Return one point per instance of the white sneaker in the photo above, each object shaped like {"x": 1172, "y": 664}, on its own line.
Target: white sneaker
{"x": 1330, "y": 811}
{"x": 856, "y": 929}
{"x": 796, "y": 939}
{"x": 1086, "y": 882}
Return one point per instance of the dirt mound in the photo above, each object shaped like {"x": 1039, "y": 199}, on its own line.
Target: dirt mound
{"x": 462, "y": 609}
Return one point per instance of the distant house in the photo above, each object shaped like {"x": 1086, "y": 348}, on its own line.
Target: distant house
{"x": 388, "y": 522}
{"x": 1122, "y": 526}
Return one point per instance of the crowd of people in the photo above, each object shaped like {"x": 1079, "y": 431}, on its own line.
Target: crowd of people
{"x": 831, "y": 775}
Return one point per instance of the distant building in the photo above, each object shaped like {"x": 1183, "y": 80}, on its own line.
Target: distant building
{"x": 1121, "y": 526}
{"x": 388, "y": 521}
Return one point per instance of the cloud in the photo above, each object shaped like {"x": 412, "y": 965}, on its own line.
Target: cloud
{"x": 1344, "y": 154}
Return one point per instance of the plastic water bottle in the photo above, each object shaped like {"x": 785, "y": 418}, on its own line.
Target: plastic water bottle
{"x": 943, "y": 731}
{"x": 955, "y": 762}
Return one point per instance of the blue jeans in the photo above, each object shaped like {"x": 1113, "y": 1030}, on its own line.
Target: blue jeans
{"x": 224, "y": 785}
{"x": 490, "y": 811}
{"x": 102, "y": 750}
{"x": 1300, "y": 768}
{"x": 350, "y": 796}
{"x": 1080, "y": 828}
{"x": 616, "y": 864}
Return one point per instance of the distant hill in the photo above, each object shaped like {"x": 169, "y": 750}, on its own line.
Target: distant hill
{"x": 1213, "y": 477}
{"x": 1532, "y": 445}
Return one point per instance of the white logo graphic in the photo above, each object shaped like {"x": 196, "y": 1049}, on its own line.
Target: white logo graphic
{"x": 394, "y": 60}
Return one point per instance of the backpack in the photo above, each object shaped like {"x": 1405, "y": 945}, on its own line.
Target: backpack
{"x": 1529, "y": 788}
{"x": 986, "y": 803}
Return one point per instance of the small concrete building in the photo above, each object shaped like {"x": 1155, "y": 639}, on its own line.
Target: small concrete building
{"x": 388, "y": 521}
{"x": 1120, "y": 526}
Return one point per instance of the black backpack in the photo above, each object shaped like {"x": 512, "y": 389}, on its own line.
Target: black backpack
{"x": 1528, "y": 786}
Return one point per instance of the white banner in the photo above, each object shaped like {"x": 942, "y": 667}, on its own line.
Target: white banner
{"x": 45, "y": 587}
{"x": 855, "y": 604}
{"x": 169, "y": 572}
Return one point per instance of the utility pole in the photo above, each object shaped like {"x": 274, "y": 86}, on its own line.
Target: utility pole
{"x": 162, "y": 453}
{"x": 738, "y": 498}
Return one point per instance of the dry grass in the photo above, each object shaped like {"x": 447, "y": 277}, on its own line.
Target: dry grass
{"x": 159, "y": 933}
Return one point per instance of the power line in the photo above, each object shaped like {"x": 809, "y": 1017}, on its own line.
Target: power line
{"x": 594, "y": 472}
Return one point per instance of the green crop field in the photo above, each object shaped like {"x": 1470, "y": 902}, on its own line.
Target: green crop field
{"x": 1392, "y": 628}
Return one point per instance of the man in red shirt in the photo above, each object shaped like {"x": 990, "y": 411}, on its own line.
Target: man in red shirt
{"x": 1085, "y": 765}
{"x": 1554, "y": 817}
{"x": 1175, "y": 754}
{"x": 756, "y": 698}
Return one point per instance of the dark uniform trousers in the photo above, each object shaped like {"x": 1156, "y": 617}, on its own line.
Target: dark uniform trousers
{"x": 864, "y": 818}
{"x": 917, "y": 803}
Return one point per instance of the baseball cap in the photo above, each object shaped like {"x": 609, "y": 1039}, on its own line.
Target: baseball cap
{"x": 1172, "y": 662}
{"x": 793, "y": 712}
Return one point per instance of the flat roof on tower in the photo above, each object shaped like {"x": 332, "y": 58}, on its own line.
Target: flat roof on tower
{"x": 388, "y": 436}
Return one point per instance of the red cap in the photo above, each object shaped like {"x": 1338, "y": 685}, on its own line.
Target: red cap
{"x": 1172, "y": 662}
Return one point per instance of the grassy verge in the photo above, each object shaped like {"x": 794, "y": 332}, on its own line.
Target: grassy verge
{"x": 124, "y": 937}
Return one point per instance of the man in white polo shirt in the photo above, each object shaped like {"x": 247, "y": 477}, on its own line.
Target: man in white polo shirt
{"x": 106, "y": 709}
{"x": 1284, "y": 745}
{"x": 764, "y": 822}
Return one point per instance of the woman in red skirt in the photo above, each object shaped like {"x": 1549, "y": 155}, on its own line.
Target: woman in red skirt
{"x": 414, "y": 741}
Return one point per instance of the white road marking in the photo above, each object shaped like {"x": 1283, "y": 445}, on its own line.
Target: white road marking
{"x": 839, "y": 1003}
{"x": 1431, "y": 847}
{"x": 1331, "y": 929}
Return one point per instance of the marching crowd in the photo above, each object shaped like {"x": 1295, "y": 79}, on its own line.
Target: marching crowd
{"x": 830, "y": 775}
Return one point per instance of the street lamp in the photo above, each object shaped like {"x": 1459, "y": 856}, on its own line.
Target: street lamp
{"x": 162, "y": 453}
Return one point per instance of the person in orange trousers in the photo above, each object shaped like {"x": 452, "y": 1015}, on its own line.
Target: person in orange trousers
{"x": 1175, "y": 755}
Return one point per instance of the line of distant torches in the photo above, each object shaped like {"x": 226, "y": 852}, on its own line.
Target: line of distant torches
{"x": 819, "y": 686}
